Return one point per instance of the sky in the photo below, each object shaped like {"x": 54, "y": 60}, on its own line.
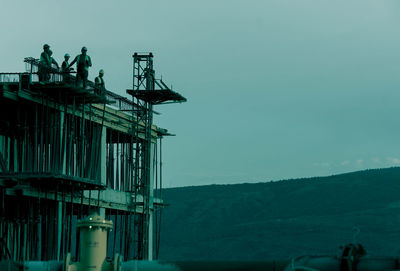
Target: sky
{"x": 276, "y": 89}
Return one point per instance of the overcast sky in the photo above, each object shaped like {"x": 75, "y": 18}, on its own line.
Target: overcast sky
{"x": 276, "y": 89}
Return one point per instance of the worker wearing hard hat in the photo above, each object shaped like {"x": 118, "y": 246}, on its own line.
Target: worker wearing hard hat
{"x": 65, "y": 69}
{"x": 83, "y": 62}
{"x": 65, "y": 64}
{"x": 45, "y": 63}
{"x": 99, "y": 81}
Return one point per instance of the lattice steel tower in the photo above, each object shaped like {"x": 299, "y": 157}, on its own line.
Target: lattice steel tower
{"x": 147, "y": 91}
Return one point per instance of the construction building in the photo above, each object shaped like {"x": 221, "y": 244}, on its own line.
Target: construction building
{"x": 66, "y": 152}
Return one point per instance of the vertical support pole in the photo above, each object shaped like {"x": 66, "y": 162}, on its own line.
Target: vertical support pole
{"x": 151, "y": 197}
{"x": 16, "y": 155}
{"x": 149, "y": 162}
{"x": 63, "y": 145}
{"x": 63, "y": 154}
{"x": 59, "y": 230}
{"x": 83, "y": 143}
{"x": 103, "y": 164}
{"x": 35, "y": 144}
{"x": 8, "y": 150}
{"x": 39, "y": 233}
{"x": 2, "y": 148}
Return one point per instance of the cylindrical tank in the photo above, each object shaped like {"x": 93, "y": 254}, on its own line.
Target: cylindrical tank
{"x": 93, "y": 245}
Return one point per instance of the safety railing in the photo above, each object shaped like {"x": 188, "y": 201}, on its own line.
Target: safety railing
{"x": 14, "y": 77}
{"x": 43, "y": 73}
{"x": 15, "y": 80}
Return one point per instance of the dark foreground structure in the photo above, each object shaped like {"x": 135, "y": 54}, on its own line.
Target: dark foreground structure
{"x": 66, "y": 152}
{"x": 93, "y": 256}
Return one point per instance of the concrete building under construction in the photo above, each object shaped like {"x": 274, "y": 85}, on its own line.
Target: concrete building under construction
{"x": 67, "y": 152}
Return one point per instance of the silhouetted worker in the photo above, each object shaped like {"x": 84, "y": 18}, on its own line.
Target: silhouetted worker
{"x": 45, "y": 63}
{"x": 99, "y": 81}
{"x": 65, "y": 64}
{"x": 83, "y": 62}
{"x": 65, "y": 69}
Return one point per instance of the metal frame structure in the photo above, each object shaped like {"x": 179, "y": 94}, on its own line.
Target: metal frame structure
{"x": 66, "y": 152}
{"x": 143, "y": 79}
{"x": 147, "y": 91}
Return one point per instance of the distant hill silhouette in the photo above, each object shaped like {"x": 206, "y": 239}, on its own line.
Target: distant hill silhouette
{"x": 284, "y": 218}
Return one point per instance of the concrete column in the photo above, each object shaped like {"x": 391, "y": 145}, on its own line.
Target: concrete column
{"x": 102, "y": 212}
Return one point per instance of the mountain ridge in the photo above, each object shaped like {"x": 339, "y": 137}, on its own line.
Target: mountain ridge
{"x": 252, "y": 221}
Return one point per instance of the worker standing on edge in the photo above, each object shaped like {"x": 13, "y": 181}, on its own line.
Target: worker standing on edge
{"x": 45, "y": 64}
{"x": 65, "y": 69}
{"x": 83, "y": 62}
{"x": 99, "y": 81}
{"x": 65, "y": 64}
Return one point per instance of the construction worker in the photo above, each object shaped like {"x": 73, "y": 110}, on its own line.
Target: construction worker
{"x": 99, "y": 81}
{"x": 45, "y": 64}
{"x": 65, "y": 64}
{"x": 65, "y": 69}
{"x": 83, "y": 62}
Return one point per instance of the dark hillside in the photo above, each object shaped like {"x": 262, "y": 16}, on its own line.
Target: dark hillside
{"x": 284, "y": 218}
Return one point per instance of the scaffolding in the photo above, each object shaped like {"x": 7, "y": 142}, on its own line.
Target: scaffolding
{"x": 66, "y": 151}
{"x": 147, "y": 91}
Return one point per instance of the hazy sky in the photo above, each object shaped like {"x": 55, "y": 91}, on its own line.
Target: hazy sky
{"x": 276, "y": 89}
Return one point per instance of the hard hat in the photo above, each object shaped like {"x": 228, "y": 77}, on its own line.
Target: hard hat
{"x": 66, "y": 55}
{"x": 84, "y": 49}
{"x": 46, "y": 46}
{"x": 101, "y": 71}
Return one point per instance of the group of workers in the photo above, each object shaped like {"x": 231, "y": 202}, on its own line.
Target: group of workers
{"x": 83, "y": 62}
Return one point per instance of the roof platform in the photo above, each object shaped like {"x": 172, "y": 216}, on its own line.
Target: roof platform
{"x": 60, "y": 86}
{"x": 52, "y": 180}
{"x": 70, "y": 93}
{"x": 160, "y": 96}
